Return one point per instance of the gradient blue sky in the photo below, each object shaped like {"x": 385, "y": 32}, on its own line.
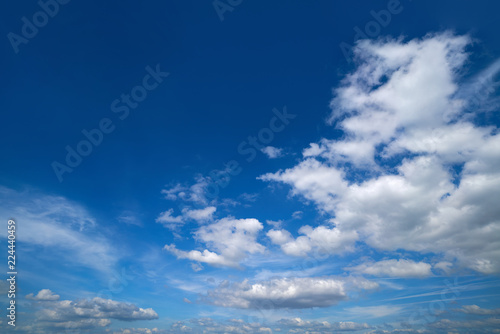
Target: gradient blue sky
{"x": 370, "y": 208}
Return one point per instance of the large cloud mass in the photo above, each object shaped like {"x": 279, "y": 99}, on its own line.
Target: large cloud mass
{"x": 414, "y": 169}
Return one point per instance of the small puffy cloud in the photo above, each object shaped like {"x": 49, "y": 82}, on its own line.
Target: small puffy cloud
{"x": 444, "y": 266}
{"x": 53, "y": 315}
{"x": 322, "y": 239}
{"x": 96, "y": 308}
{"x": 228, "y": 242}
{"x": 291, "y": 293}
{"x": 489, "y": 325}
{"x": 200, "y": 215}
{"x": 272, "y": 152}
{"x": 43, "y": 295}
{"x": 170, "y": 221}
{"x": 185, "y": 300}
{"x": 394, "y": 268}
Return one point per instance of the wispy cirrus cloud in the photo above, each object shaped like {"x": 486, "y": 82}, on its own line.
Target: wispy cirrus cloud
{"x": 59, "y": 224}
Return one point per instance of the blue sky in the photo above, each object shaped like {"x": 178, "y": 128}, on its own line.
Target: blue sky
{"x": 251, "y": 167}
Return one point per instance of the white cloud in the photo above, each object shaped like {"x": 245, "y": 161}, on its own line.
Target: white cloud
{"x": 322, "y": 239}
{"x": 275, "y": 223}
{"x": 96, "y": 308}
{"x": 292, "y": 293}
{"x": 474, "y": 309}
{"x": 394, "y": 268}
{"x": 272, "y": 152}
{"x": 86, "y": 314}
{"x": 489, "y": 325}
{"x": 200, "y": 215}
{"x": 194, "y": 193}
{"x": 374, "y": 311}
{"x": 228, "y": 241}
{"x": 129, "y": 218}
{"x": 60, "y": 225}
{"x": 170, "y": 221}
{"x": 43, "y": 295}
{"x": 413, "y": 171}
{"x": 297, "y": 215}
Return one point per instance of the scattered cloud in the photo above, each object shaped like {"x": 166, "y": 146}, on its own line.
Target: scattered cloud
{"x": 172, "y": 222}
{"x": 272, "y": 152}
{"x": 200, "y": 215}
{"x": 168, "y": 220}
{"x": 43, "y": 295}
{"x": 394, "y": 268}
{"x": 298, "y": 325}
{"x": 474, "y": 309}
{"x": 275, "y": 223}
{"x": 230, "y": 239}
{"x": 297, "y": 215}
{"x": 373, "y": 311}
{"x": 413, "y": 170}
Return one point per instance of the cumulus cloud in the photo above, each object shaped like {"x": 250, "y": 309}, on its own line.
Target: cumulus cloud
{"x": 195, "y": 193}
{"x": 239, "y": 326}
{"x": 394, "y": 268}
{"x": 413, "y": 170}
{"x": 228, "y": 241}
{"x": 320, "y": 240}
{"x": 478, "y": 326}
{"x": 291, "y": 293}
{"x": 43, "y": 295}
{"x": 272, "y": 152}
{"x": 96, "y": 308}
{"x": 53, "y": 315}
{"x": 170, "y": 221}
{"x": 200, "y": 215}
